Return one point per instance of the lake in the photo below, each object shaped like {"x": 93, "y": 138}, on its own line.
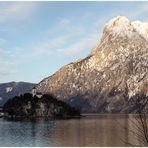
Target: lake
{"x": 91, "y": 130}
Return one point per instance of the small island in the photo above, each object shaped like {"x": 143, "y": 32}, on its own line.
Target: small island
{"x": 34, "y": 106}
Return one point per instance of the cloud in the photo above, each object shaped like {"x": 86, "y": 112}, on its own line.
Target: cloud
{"x": 68, "y": 35}
{"x": 9, "y": 60}
{"x": 79, "y": 46}
{"x": 47, "y": 47}
{"x": 6, "y": 68}
{"x": 16, "y": 11}
{"x": 83, "y": 36}
{"x": 4, "y": 53}
{"x": 2, "y": 41}
{"x": 140, "y": 11}
{"x": 63, "y": 34}
{"x": 71, "y": 39}
{"x": 67, "y": 26}
{"x": 66, "y": 38}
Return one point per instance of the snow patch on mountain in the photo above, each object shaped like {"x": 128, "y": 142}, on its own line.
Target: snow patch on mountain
{"x": 120, "y": 25}
{"x": 9, "y": 89}
{"x": 141, "y": 28}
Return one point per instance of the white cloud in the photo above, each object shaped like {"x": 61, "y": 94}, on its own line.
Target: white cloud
{"x": 72, "y": 39}
{"x": 4, "y": 53}
{"x": 140, "y": 11}
{"x": 48, "y": 47}
{"x": 61, "y": 47}
{"x": 16, "y": 11}
{"x": 66, "y": 26}
{"x": 9, "y": 60}
{"x": 2, "y": 41}
{"x": 90, "y": 37}
{"x": 79, "y": 46}
{"x": 67, "y": 37}
{"x": 6, "y": 68}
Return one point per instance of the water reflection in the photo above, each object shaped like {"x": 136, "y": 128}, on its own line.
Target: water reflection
{"x": 95, "y": 131}
{"x": 88, "y": 131}
{"x": 25, "y": 133}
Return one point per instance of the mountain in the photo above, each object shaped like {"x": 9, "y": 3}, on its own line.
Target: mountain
{"x": 113, "y": 74}
{"x": 12, "y": 89}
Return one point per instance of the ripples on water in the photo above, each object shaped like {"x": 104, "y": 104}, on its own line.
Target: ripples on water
{"x": 97, "y": 130}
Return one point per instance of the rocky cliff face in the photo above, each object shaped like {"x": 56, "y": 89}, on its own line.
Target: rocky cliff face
{"x": 115, "y": 71}
{"x": 12, "y": 89}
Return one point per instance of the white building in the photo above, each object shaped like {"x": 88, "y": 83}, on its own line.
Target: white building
{"x": 35, "y": 93}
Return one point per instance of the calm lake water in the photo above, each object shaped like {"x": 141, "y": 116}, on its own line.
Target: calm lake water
{"x": 94, "y": 130}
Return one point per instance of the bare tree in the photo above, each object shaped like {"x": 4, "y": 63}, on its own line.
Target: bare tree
{"x": 139, "y": 122}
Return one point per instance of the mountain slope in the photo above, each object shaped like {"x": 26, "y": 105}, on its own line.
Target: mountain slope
{"x": 115, "y": 71}
{"x": 12, "y": 89}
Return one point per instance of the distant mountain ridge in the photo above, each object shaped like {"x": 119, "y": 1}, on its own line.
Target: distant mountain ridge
{"x": 115, "y": 71}
{"x": 12, "y": 89}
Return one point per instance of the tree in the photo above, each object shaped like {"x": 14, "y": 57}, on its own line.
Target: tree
{"x": 32, "y": 106}
{"x": 139, "y": 129}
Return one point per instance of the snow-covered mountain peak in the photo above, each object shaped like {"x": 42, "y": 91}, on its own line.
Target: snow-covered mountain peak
{"x": 141, "y": 28}
{"x": 111, "y": 76}
{"x": 119, "y": 20}
{"x": 120, "y": 26}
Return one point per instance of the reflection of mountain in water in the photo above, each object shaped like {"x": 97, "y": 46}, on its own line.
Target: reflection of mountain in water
{"x": 88, "y": 131}
{"x": 94, "y": 131}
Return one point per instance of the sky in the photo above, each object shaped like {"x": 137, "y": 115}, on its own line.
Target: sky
{"x": 38, "y": 38}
